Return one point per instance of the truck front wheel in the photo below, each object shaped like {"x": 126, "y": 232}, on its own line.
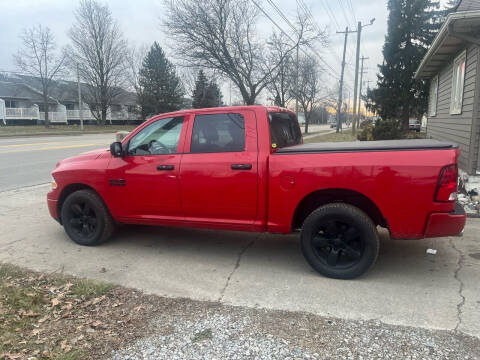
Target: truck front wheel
{"x": 339, "y": 241}
{"x": 86, "y": 219}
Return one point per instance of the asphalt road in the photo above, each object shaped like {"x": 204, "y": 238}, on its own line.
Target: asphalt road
{"x": 26, "y": 161}
{"x": 406, "y": 287}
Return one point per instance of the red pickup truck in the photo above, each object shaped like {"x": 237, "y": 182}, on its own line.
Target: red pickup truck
{"x": 246, "y": 168}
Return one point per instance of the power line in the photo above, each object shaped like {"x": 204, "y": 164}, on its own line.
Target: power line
{"x": 331, "y": 13}
{"x": 349, "y": 2}
{"x": 314, "y": 23}
{"x": 344, "y": 13}
{"x": 282, "y": 15}
{"x": 335, "y": 76}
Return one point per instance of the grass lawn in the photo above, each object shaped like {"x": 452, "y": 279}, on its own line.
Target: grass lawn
{"x": 14, "y": 130}
{"x": 61, "y": 317}
{"x": 333, "y": 137}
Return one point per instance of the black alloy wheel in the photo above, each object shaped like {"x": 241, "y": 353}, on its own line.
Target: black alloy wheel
{"x": 83, "y": 219}
{"x": 339, "y": 241}
{"x": 86, "y": 219}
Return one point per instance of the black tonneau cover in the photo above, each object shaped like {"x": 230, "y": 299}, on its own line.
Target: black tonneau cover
{"x": 359, "y": 146}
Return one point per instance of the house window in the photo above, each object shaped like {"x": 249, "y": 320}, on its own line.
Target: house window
{"x": 458, "y": 81}
{"x": 10, "y": 104}
{"x": 69, "y": 106}
{"x": 433, "y": 96}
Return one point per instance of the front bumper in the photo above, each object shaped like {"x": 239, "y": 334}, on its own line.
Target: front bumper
{"x": 446, "y": 224}
{"x": 53, "y": 208}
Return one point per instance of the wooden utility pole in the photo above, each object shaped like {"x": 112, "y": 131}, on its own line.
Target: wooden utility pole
{"x": 360, "y": 92}
{"x": 340, "y": 90}
{"x": 357, "y": 61}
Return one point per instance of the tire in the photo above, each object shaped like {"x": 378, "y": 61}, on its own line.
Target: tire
{"x": 339, "y": 241}
{"x": 86, "y": 219}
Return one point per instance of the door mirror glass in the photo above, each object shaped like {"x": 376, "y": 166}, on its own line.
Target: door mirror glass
{"x": 116, "y": 149}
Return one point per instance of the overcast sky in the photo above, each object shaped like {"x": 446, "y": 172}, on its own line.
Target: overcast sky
{"x": 140, "y": 22}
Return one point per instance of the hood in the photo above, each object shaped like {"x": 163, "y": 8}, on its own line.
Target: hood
{"x": 88, "y": 155}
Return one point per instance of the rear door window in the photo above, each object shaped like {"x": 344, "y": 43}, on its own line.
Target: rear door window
{"x": 218, "y": 133}
{"x": 284, "y": 130}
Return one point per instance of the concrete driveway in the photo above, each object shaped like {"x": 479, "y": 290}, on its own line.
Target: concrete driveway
{"x": 406, "y": 287}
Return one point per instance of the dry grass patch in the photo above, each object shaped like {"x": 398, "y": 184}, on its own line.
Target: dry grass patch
{"x": 60, "y": 317}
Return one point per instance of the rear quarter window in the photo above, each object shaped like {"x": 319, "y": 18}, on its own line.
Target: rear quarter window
{"x": 284, "y": 130}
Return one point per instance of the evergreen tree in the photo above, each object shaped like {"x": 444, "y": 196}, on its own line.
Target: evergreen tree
{"x": 214, "y": 94}
{"x": 412, "y": 26}
{"x": 162, "y": 90}
{"x": 206, "y": 93}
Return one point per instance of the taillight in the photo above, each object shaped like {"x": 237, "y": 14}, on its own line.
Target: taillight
{"x": 447, "y": 184}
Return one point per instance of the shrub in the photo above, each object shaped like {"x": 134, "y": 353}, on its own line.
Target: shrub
{"x": 387, "y": 130}
{"x": 366, "y": 134}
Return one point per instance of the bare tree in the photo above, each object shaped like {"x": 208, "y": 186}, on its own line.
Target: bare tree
{"x": 308, "y": 91}
{"x": 221, "y": 35}
{"x": 38, "y": 57}
{"x": 134, "y": 60}
{"x": 282, "y": 80}
{"x": 99, "y": 49}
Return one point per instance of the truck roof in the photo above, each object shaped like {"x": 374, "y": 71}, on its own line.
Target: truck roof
{"x": 359, "y": 146}
{"x": 225, "y": 109}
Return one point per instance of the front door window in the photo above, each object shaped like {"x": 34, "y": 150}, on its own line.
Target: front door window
{"x": 160, "y": 137}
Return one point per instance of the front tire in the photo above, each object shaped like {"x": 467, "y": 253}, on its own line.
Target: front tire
{"x": 86, "y": 219}
{"x": 339, "y": 241}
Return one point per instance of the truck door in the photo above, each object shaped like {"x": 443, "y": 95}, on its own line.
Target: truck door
{"x": 144, "y": 183}
{"x": 219, "y": 169}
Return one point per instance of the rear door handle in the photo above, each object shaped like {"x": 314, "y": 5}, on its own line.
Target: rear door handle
{"x": 241, "y": 166}
{"x": 165, "y": 167}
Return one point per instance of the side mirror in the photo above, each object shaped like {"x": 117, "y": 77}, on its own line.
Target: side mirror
{"x": 116, "y": 149}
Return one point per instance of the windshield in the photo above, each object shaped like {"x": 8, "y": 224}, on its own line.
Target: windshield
{"x": 284, "y": 130}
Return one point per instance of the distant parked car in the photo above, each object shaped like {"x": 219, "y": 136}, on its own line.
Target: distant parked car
{"x": 333, "y": 124}
{"x": 414, "y": 124}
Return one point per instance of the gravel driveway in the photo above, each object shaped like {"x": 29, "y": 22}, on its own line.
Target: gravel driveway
{"x": 198, "y": 330}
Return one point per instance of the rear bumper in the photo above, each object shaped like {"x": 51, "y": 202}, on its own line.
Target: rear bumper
{"x": 446, "y": 224}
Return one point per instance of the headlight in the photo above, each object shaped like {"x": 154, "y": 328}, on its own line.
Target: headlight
{"x": 54, "y": 184}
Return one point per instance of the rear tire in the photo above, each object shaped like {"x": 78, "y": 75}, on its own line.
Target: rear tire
{"x": 339, "y": 241}
{"x": 86, "y": 219}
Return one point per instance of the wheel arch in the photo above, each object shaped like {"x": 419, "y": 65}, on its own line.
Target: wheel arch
{"x": 69, "y": 189}
{"x": 325, "y": 196}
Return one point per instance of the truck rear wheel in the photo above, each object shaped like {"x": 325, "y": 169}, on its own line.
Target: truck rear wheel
{"x": 86, "y": 219}
{"x": 339, "y": 241}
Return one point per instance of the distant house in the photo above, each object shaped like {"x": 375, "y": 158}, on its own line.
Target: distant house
{"x": 21, "y": 102}
{"x": 452, "y": 64}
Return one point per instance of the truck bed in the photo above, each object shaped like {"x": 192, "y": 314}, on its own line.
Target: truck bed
{"x": 365, "y": 146}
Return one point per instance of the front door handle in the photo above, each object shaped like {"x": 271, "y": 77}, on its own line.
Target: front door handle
{"x": 165, "y": 167}
{"x": 241, "y": 166}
